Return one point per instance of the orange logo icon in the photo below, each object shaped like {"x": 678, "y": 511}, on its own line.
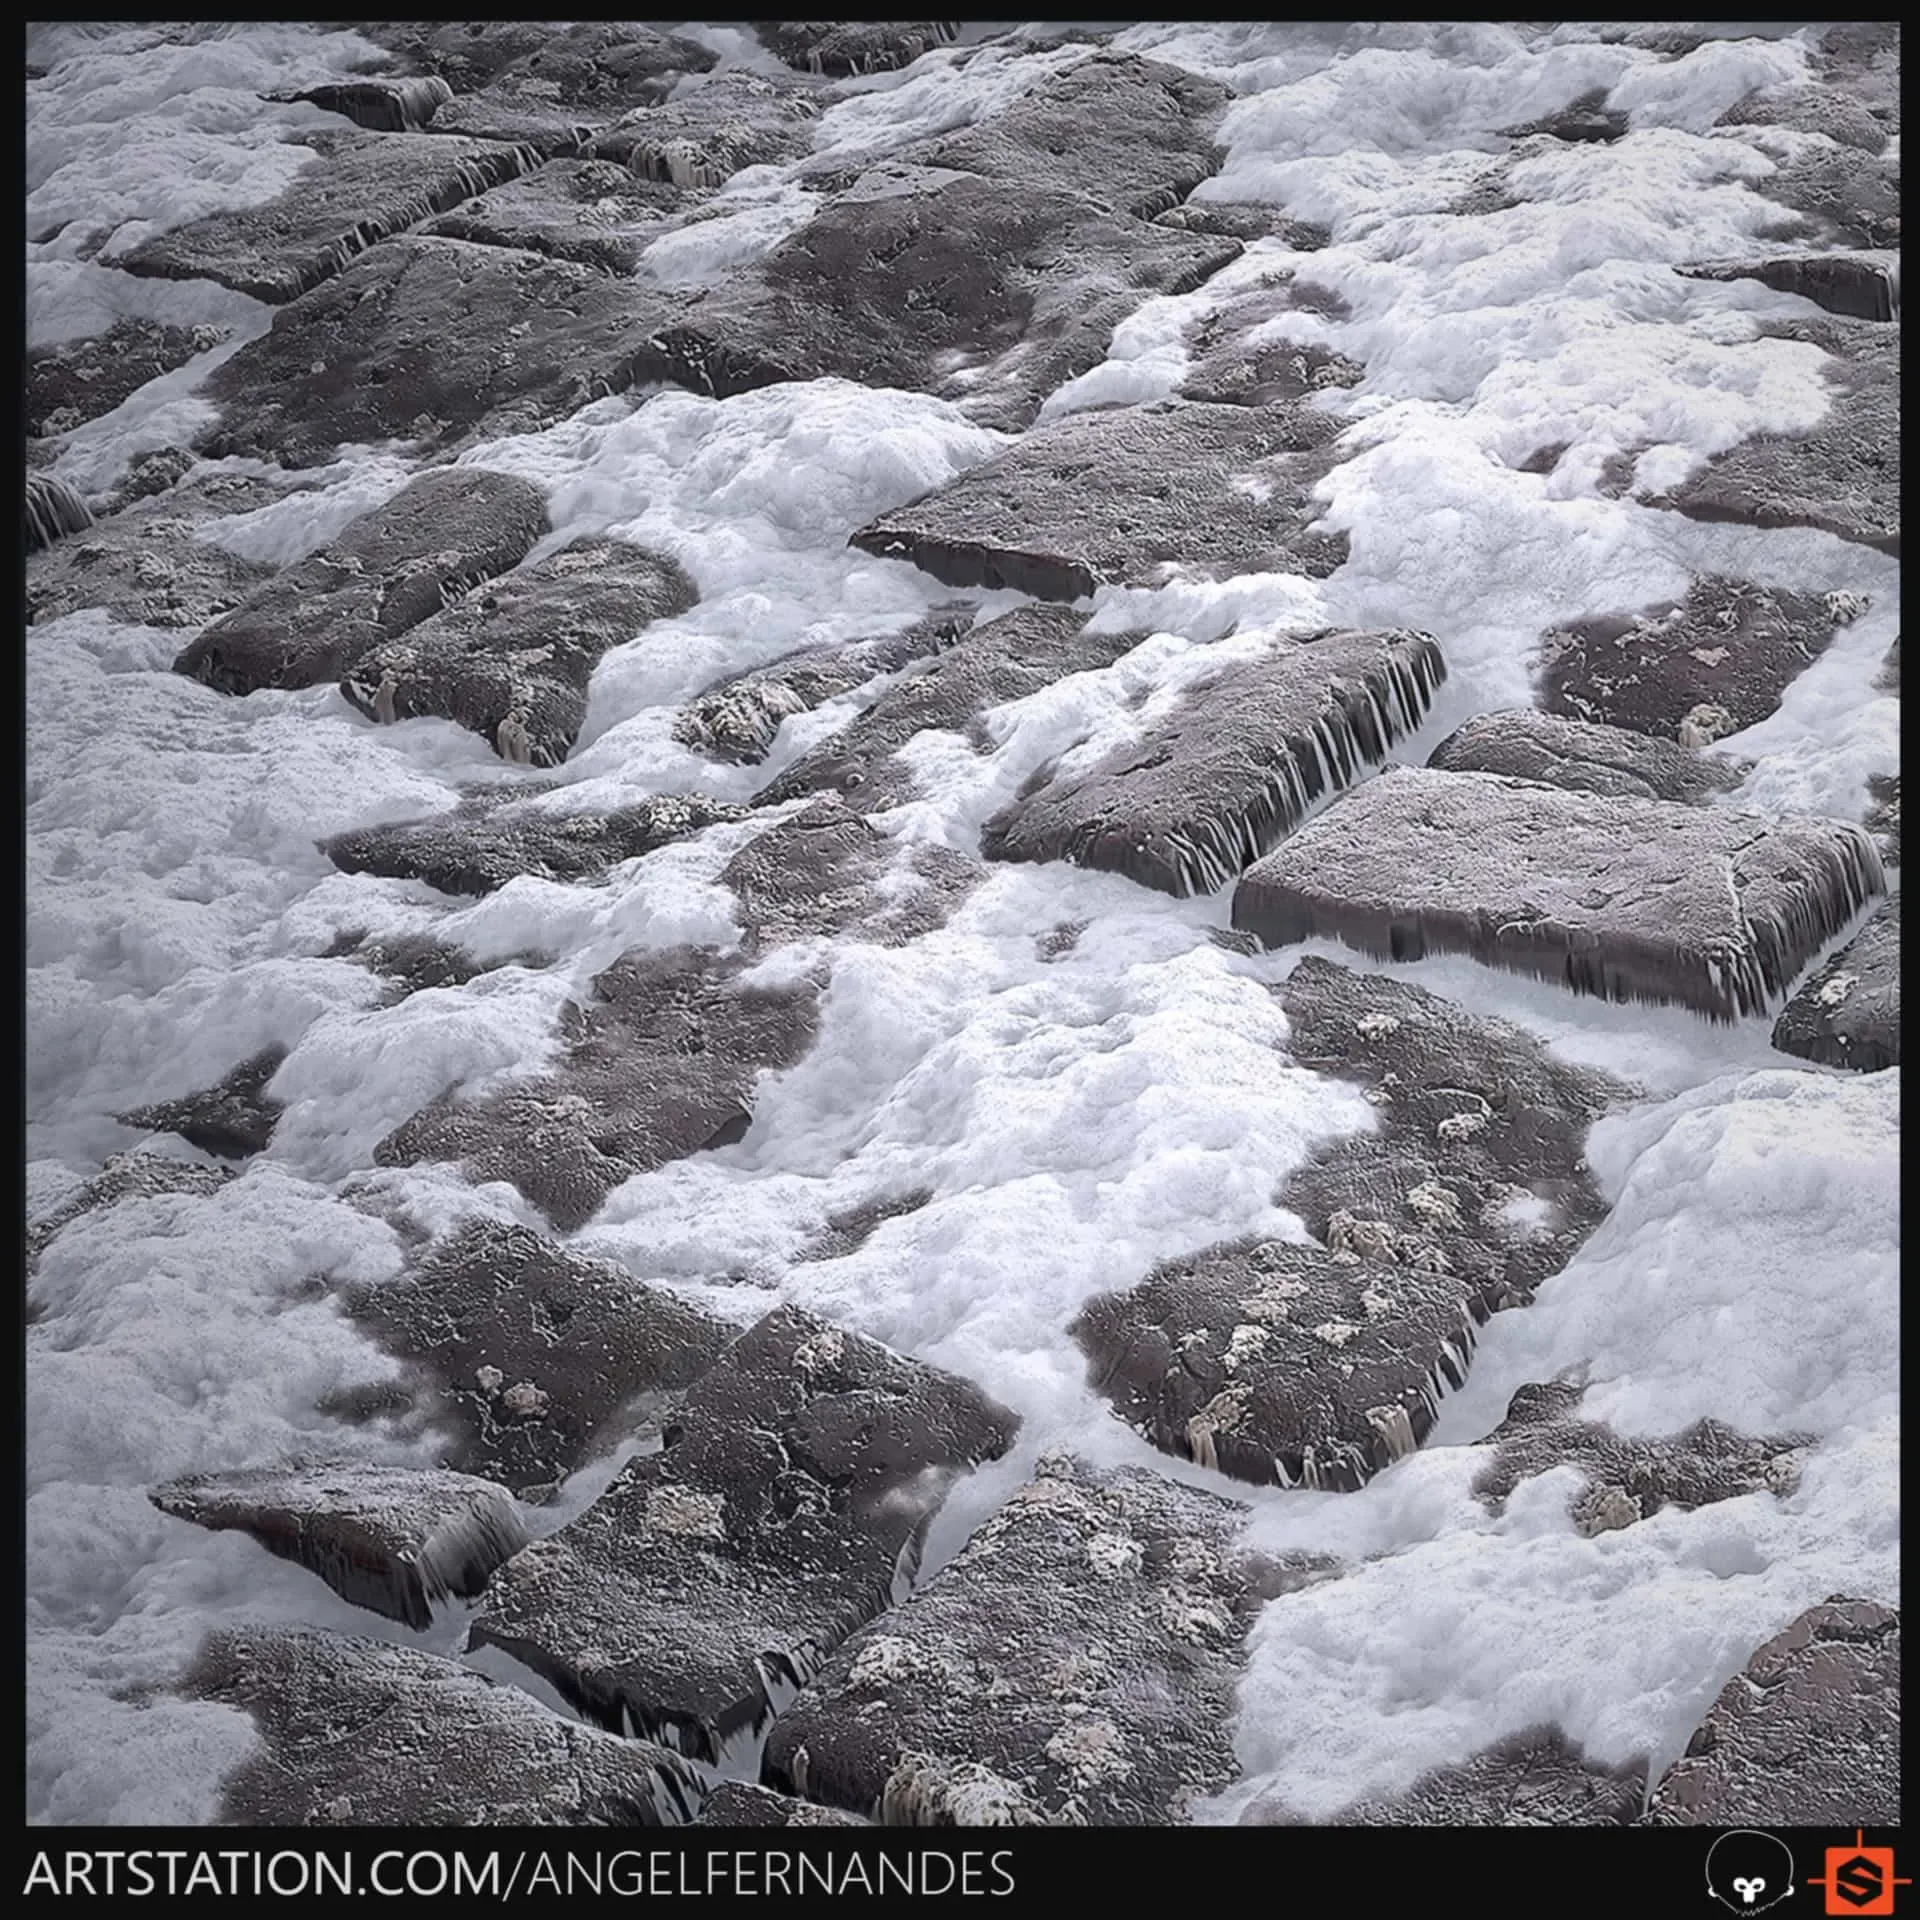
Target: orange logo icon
{"x": 1859, "y": 1879}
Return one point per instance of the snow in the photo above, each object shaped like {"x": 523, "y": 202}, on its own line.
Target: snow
{"x": 1078, "y": 1119}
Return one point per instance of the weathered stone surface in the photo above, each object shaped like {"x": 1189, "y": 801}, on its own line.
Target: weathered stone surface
{"x": 498, "y": 833}
{"x": 126, "y": 1176}
{"x": 1848, "y": 1014}
{"x": 1113, "y": 497}
{"x": 53, "y": 511}
{"x": 661, "y": 1063}
{"x": 1073, "y": 1665}
{"x": 362, "y": 189}
{"x": 1863, "y": 286}
{"x": 397, "y": 1540}
{"x": 848, "y": 47}
{"x": 847, "y": 1232}
{"x": 985, "y": 292}
{"x": 1843, "y": 476}
{"x": 532, "y": 1358}
{"x": 1728, "y": 646}
{"x": 1245, "y": 220}
{"x": 1888, "y": 678}
{"x": 798, "y": 1478}
{"x": 1000, "y": 660}
{"x": 359, "y": 1733}
{"x": 1587, "y": 119}
{"x": 1808, "y": 1735}
{"x": 1631, "y": 1478}
{"x": 1234, "y": 767}
{"x": 379, "y": 105}
{"x": 430, "y": 341}
{"x": 705, "y": 135}
{"x": 738, "y": 719}
{"x": 1631, "y": 899}
{"x": 736, "y": 1804}
{"x": 1883, "y": 815}
{"x": 234, "y": 1118}
{"x": 390, "y": 568}
{"x": 591, "y": 212}
{"x": 1232, "y": 367}
{"x": 1584, "y": 757}
{"x": 413, "y": 962}
{"x": 512, "y": 661}
{"x": 79, "y": 380}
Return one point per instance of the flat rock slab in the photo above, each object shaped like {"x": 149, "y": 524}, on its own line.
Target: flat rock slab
{"x": 1630, "y": 899}
{"x": 126, "y": 1176}
{"x": 797, "y": 1481}
{"x": 1844, "y": 476}
{"x": 390, "y": 568}
{"x": 1584, "y": 757}
{"x": 706, "y": 134}
{"x": 397, "y": 1540}
{"x": 412, "y": 962}
{"x": 1848, "y": 1014}
{"x": 591, "y": 212}
{"x": 79, "y": 380}
{"x": 1232, "y": 366}
{"x": 234, "y": 1118}
{"x": 361, "y": 189}
{"x": 430, "y": 341}
{"x": 1630, "y": 1479}
{"x": 1863, "y": 286}
{"x": 1000, "y": 660}
{"x": 988, "y": 293}
{"x": 1808, "y": 1735}
{"x": 1114, "y": 497}
{"x": 1234, "y": 767}
{"x": 535, "y": 1359}
{"x": 378, "y": 105}
{"x": 512, "y": 660}
{"x": 738, "y": 719}
{"x": 1717, "y": 661}
{"x": 661, "y": 1063}
{"x": 1073, "y": 1665}
{"x": 845, "y": 48}
{"x": 499, "y": 834}
{"x": 360, "y": 1733}
{"x": 736, "y": 1804}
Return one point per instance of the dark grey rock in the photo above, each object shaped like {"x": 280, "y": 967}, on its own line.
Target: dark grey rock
{"x": 1074, "y": 1665}
{"x": 1888, "y": 678}
{"x": 1724, "y": 655}
{"x": 359, "y": 1733}
{"x": 1863, "y": 286}
{"x": 150, "y": 473}
{"x": 79, "y": 380}
{"x": 1234, "y": 767}
{"x": 498, "y": 833}
{"x": 1584, "y": 757}
{"x": 413, "y": 962}
{"x": 798, "y": 1480}
{"x": 1848, "y": 1014}
{"x": 1631, "y": 899}
{"x": 1812, "y": 108}
{"x": 1230, "y": 368}
{"x": 362, "y": 189}
{"x": 1245, "y": 220}
{"x": 845, "y": 48}
{"x": 704, "y": 135}
{"x": 389, "y": 569}
{"x": 397, "y": 1540}
{"x": 1808, "y": 1735}
{"x": 234, "y": 1118}
{"x": 1586, "y": 119}
{"x": 738, "y": 719}
{"x": 512, "y": 660}
{"x": 54, "y": 510}
{"x": 591, "y": 212}
{"x": 847, "y": 1232}
{"x": 1113, "y": 496}
{"x": 661, "y": 1063}
{"x": 1883, "y": 815}
{"x": 736, "y": 1804}
{"x": 378, "y": 105}
{"x": 534, "y": 1359}
{"x": 126, "y": 1176}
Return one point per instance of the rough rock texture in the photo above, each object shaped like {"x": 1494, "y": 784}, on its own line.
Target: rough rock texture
{"x": 845, "y": 48}
{"x": 435, "y": 342}
{"x": 126, "y": 1176}
{"x": 1584, "y": 757}
{"x": 512, "y": 660}
{"x": 797, "y": 1481}
{"x": 359, "y": 1733}
{"x": 1864, "y": 286}
{"x": 1245, "y": 220}
{"x": 1115, "y": 496}
{"x": 53, "y": 510}
{"x": 661, "y": 1063}
{"x": 234, "y": 1118}
{"x": 847, "y": 1232}
{"x": 1883, "y": 815}
{"x": 379, "y": 105}
{"x": 497, "y": 833}
{"x": 738, "y": 719}
{"x": 736, "y": 1804}
{"x": 532, "y": 1358}
{"x": 359, "y": 190}
{"x": 1073, "y": 1665}
{"x": 1848, "y": 1014}
{"x": 1808, "y": 1735}
{"x": 398, "y": 1540}
{"x": 413, "y": 962}
{"x": 592, "y": 212}
{"x": 389, "y": 569}
{"x": 1000, "y": 660}
{"x": 1588, "y": 118}
{"x": 79, "y": 380}
{"x": 1631, "y": 899}
{"x": 1234, "y": 767}
{"x": 1632, "y": 1478}
{"x": 1728, "y": 645}
{"x": 704, "y": 136}
{"x": 1232, "y": 363}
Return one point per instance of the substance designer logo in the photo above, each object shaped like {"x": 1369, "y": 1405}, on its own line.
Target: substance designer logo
{"x": 1859, "y": 1879}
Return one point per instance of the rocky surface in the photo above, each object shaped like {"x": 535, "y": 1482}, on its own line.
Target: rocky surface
{"x": 359, "y": 1733}
{"x": 379, "y": 105}
{"x": 126, "y": 1176}
{"x": 78, "y": 380}
{"x": 705, "y": 135}
{"x": 1631, "y": 899}
{"x": 1073, "y": 1665}
{"x": 1588, "y": 118}
{"x": 591, "y": 212}
{"x": 1848, "y": 1014}
{"x": 1241, "y": 356}
{"x": 398, "y": 1540}
{"x": 845, "y": 48}
{"x": 1863, "y": 286}
{"x": 1807, "y": 1735}
{"x": 797, "y": 1480}
{"x": 736, "y": 1804}
{"x": 53, "y": 511}
{"x": 1584, "y": 757}
{"x": 234, "y": 1118}
{"x": 1883, "y": 815}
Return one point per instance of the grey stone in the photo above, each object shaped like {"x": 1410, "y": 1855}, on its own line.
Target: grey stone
{"x": 53, "y": 511}
{"x": 1883, "y": 815}
{"x": 413, "y": 962}
{"x": 1862, "y": 286}
{"x": 797, "y": 1482}
{"x": 1631, "y": 899}
{"x": 706, "y": 134}
{"x": 1231, "y": 368}
{"x": 1584, "y": 757}
{"x": 1848, "y": 1014}
{"x": 848, "y": 47}
{"x": 1245, "y": 220}
{"x": 378, "y": 105}
{"x": 1587, "y": 119}
{"x": 79, "y": 380}
{"x": 1234, "y": 768}
{"x": 126, "y": 1176}
{"x": 848, "y": 1231}
{"x": 591, "y": 212}
{"x": 736, "y": 1804}
{"x": 234, "y": 1118}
